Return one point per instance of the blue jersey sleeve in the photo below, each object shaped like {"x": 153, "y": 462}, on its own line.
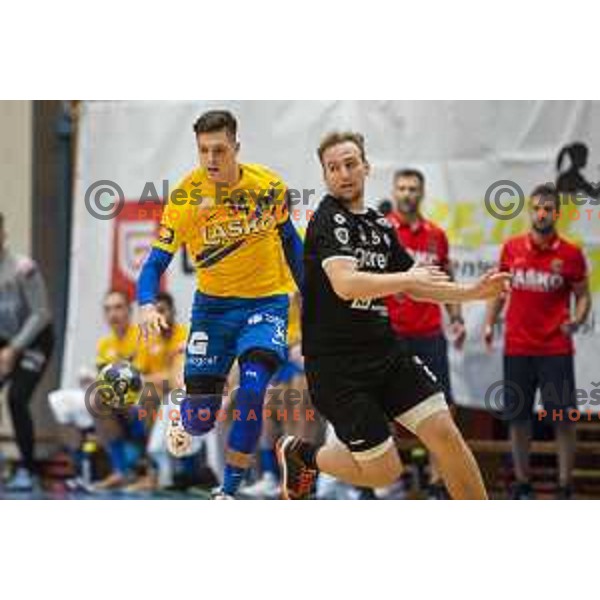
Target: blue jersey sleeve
{"x": 149, "y": 280}
{"x": 294, "y": 250}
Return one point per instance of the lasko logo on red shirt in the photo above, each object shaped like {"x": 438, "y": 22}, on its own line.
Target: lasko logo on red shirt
{"x": 539, "y": 301}
{"x": 534, "y": 280}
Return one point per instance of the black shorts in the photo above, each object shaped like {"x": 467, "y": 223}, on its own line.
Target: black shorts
{"x": 433, "y": 351}
{"x": 361, "y": 394}
{"x": 554, "y": 376}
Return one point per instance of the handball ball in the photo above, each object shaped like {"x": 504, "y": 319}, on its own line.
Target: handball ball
{"x": 122, "y": 384}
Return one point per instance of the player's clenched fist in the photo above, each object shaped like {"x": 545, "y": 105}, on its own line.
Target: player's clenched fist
{"x": 152, "y": 322}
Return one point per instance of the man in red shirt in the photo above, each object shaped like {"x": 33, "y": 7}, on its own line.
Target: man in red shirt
{"x": 420, "y": 324}
{"x": 538, "y": 346}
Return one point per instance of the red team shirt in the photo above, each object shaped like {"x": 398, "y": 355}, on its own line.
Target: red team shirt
{"x": 540, "y": 294}
{"x": 428, "y": 245}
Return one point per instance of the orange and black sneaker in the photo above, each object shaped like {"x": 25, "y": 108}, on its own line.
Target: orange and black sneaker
{"x": 298, "y": 475}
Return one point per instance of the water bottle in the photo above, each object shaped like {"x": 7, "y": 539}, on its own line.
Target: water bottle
{"x": 89, "y": 449}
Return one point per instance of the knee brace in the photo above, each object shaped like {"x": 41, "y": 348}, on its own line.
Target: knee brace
{"x": 266, "y": 360}
{"x": 202, "y": 402}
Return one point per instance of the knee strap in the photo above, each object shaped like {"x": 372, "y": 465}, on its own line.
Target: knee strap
{"x": 202, "y": 402}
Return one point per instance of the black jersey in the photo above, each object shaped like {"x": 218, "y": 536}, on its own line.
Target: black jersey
{"x": 331, "y": 325}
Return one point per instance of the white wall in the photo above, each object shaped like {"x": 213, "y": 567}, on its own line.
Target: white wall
{"x": 15, "y": 171}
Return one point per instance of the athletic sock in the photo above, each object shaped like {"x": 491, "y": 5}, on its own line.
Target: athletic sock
{"x": 268, "y": 461}
{"x": 245, "y": 431}
{"x": 232, "y": 479}
{"x": 118, "y": 456}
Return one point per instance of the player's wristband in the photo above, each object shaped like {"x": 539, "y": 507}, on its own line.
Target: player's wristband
{"x": 457, "y": 319}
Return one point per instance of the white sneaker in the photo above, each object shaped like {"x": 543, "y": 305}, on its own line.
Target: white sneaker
{"x": 330, "y": 488}
{"x": 266, "y": 487}
{"x": 179, "y": 441}
{"x": 396, "y": 491}
{"x": 77, "y": 484}
{"x": 21, "y": 481}
{"x": 219, "y": 494}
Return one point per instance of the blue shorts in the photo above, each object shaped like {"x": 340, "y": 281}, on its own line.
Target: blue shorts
{"x": 223, "y": 329}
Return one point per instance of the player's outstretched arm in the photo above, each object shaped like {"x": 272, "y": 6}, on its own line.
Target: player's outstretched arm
{"x": 422, "y": 283}
{"x": 489, "y": 286}
{"x": 349, "y": 283}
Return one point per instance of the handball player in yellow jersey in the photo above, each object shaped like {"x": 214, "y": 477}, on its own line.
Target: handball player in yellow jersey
{"x": 234, "y": 222}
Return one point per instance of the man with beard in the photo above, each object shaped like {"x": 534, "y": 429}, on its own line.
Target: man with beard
{"x": 547, "y": 272}
{"x": 420, "y": 324}
{"x": 360, "y": 377}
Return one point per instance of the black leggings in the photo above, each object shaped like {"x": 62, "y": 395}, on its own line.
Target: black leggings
{"x": 23, "y": 380}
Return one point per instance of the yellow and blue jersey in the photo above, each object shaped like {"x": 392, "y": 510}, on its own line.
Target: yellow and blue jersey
{"x": 230, "y": 232}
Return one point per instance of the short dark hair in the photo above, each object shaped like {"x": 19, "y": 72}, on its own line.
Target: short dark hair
{"x": 339, "y": 137}
{"x": 547, "y": 190}
{"x": 166, "y": 298}
{"x": 216, "y": 120}
{"x": 401, "y": 173}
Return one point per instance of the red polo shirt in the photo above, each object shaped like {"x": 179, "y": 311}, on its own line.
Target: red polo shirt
{"x": 428, "y": 245}
{"x": 539, "y": 301}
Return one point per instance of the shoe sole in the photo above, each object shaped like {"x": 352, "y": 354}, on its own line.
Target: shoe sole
{"x": 171, "y": 432}
{"x": 280, "y": 449}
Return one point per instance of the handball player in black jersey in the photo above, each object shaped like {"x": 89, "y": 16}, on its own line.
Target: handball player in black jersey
{"x": 361, "y": 378}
